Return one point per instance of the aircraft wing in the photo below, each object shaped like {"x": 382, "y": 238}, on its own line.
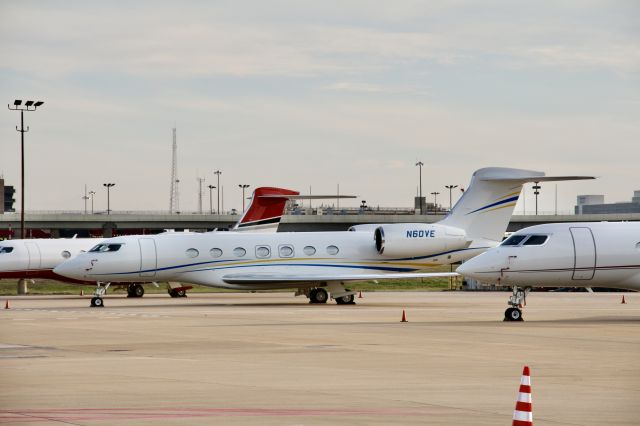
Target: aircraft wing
{"x": 305, "y": 278}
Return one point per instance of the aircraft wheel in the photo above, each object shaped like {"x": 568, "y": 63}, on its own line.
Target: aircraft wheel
{"x": 182, "y": 293}
{"x": 346, "y": 300}
{"x": 137, "y": 290}
{"x": 97, "y": 302}
{"x": 513, "y": 314}
{"x": 318, "y": 295}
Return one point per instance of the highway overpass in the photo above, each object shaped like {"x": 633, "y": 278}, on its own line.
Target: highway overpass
{"x": 67, "y": 224}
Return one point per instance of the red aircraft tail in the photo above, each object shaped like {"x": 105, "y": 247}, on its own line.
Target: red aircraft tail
{"x": 266, "y": 209}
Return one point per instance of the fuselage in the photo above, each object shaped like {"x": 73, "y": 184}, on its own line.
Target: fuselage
{"x": 602, "y": 254}
{"x": 36, "y": 258}
{"x": 205, "y": 258}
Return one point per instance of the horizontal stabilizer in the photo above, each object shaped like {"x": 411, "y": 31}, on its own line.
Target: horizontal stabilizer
{"x": 308, "y": 197}
{"x": 305, "y": 278}
{"x": 536, "y": 178}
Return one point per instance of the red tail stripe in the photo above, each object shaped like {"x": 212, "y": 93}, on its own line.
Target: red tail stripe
{"x": 523, "y": 406}
{"x": 525, "y": 388}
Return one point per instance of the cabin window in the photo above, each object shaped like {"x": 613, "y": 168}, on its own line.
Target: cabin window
{"x": 215, "y": 252}
{"x": 192, "y": 252}
{"x": 332, "y": 250}
{"x": 102, "y": 248}
{"x": 66, "y": 254}
{"x": 239, "y": 251}
{"x": 286, "y": 251}
{"x": 6, "y": 250}
{"x": 263, "y": 252}
{"x": 309, "y": 250}
{"x": 514, "y": 240}
{"x": 535, "y": 240}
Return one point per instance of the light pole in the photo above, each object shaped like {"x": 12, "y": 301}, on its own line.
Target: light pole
{"x": 420, "y": 164}
{"x": 536, "y": 191}
{"x": 218, "y": 173}
{"x": 243, "y": 186}
{"x": 92, "y": 193}
{"x": 28, "y": 106}
{"x": 210, "y": 198}
{"x": 85, "y": 198}
{"x": 108, "y": 186}
{"x": 450, "y": 188}
{"x": 435, "y": 201}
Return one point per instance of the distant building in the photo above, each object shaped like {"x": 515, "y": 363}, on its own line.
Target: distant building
{"x": 594, "y": 204}
{"x": 6, "y": 195}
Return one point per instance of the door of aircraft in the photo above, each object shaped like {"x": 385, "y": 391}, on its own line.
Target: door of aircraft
{"x": 584, "y": 246}
{"x": 148, "y": 257}
{"x": 34, "y": 255}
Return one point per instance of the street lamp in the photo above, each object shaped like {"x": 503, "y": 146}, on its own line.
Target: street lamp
{"x": 450, "y": 188}
{"x": 243, "y": 186}
{"x": 218, "y": 173}
{"x": 536, "y": 191}
{"x": 435, "y": 201}
{"x": 92, "y": 193}
{"x": 108, "y": 186}
{"x": 28, "y": 106}
{"x": 420, "y": 164}
{"x": 211, "y": 199}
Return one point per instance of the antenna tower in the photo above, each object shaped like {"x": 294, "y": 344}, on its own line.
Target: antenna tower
{"x": 174, "y": 195}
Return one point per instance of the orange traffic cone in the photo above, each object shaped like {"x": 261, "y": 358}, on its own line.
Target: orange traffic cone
{"x": 6, "y": 305}
{"x": 523, "y": 414}
{"x": 360, "y": 295}
{"x": 404, "y": 317}
{"x": 623, "y": 301}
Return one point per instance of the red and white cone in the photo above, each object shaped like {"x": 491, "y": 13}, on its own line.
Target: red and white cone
{"x": 404, "y": 316}
{"x": 623, "y": 301}
{"x": 6, "y": 305}
{"x": 360, "y": 295}
{"x": 523, "y": 414}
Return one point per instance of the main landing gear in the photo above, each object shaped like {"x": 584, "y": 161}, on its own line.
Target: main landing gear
{"x": 516, "y": 301}
{"x": 135, "y": 290}
{"x": 96, "y": 301}
{"x": 341, "y": 295}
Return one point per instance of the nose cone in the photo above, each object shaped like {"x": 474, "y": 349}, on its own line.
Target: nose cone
{"x": 70, "y": 269}
{"x": 480, "y": 268}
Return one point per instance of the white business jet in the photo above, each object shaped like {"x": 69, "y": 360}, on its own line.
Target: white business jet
{"x": 314, "y": 262}
{"x": 591, "y": 254}
{"x": 36, "y": 258}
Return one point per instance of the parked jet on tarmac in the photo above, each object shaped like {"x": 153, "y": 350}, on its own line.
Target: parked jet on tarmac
{"x": 313, "y": 261}
{"x": 36, "y": 258}
{"x": 602, "y": 254}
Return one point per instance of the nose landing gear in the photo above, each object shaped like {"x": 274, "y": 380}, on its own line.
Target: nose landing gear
{"x": 516, "y": 301}
{"x": 96, "y": 301}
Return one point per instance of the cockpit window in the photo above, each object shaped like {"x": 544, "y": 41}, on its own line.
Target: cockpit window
{"x": 101, "y": 248}
{"x": 513, "y": 240}
{"x": 6, "y": 250}
{"x": 535, "y": 240}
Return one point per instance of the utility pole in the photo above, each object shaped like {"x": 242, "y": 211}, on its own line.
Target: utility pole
{"x": 200, "y": 181}
{"x": 420, "y": 164}
{"x": 536, "y": 192}
{"x": 243, "y": 187}
{"x": 218, "y": 173}
{"x": 108, "y": 186}
{"x": 92, "y": 193}
{"x": 435, "y": 202}
{"x": 450, "y": 187}
{"x": 85, "y": 198}
{"x": 211, "y": 198}
{"x": 173, "y": 191}
{"x": 28, "y": 106}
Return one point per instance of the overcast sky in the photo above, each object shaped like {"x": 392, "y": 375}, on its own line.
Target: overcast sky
{"x": 318, "y": 93}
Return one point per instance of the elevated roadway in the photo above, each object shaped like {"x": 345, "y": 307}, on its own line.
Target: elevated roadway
{"x": 66, "y": 224}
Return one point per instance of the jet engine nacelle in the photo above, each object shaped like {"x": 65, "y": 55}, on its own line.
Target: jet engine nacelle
{"x": 418, "y": 239}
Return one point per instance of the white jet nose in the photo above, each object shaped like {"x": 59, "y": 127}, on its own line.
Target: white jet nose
{"x": 481, "y": 268}
{"x": 70, "y": 269}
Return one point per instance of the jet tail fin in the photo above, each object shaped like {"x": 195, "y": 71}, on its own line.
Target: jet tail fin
{"x": 486, "y": 207}
{"x": 265, "y": 210}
